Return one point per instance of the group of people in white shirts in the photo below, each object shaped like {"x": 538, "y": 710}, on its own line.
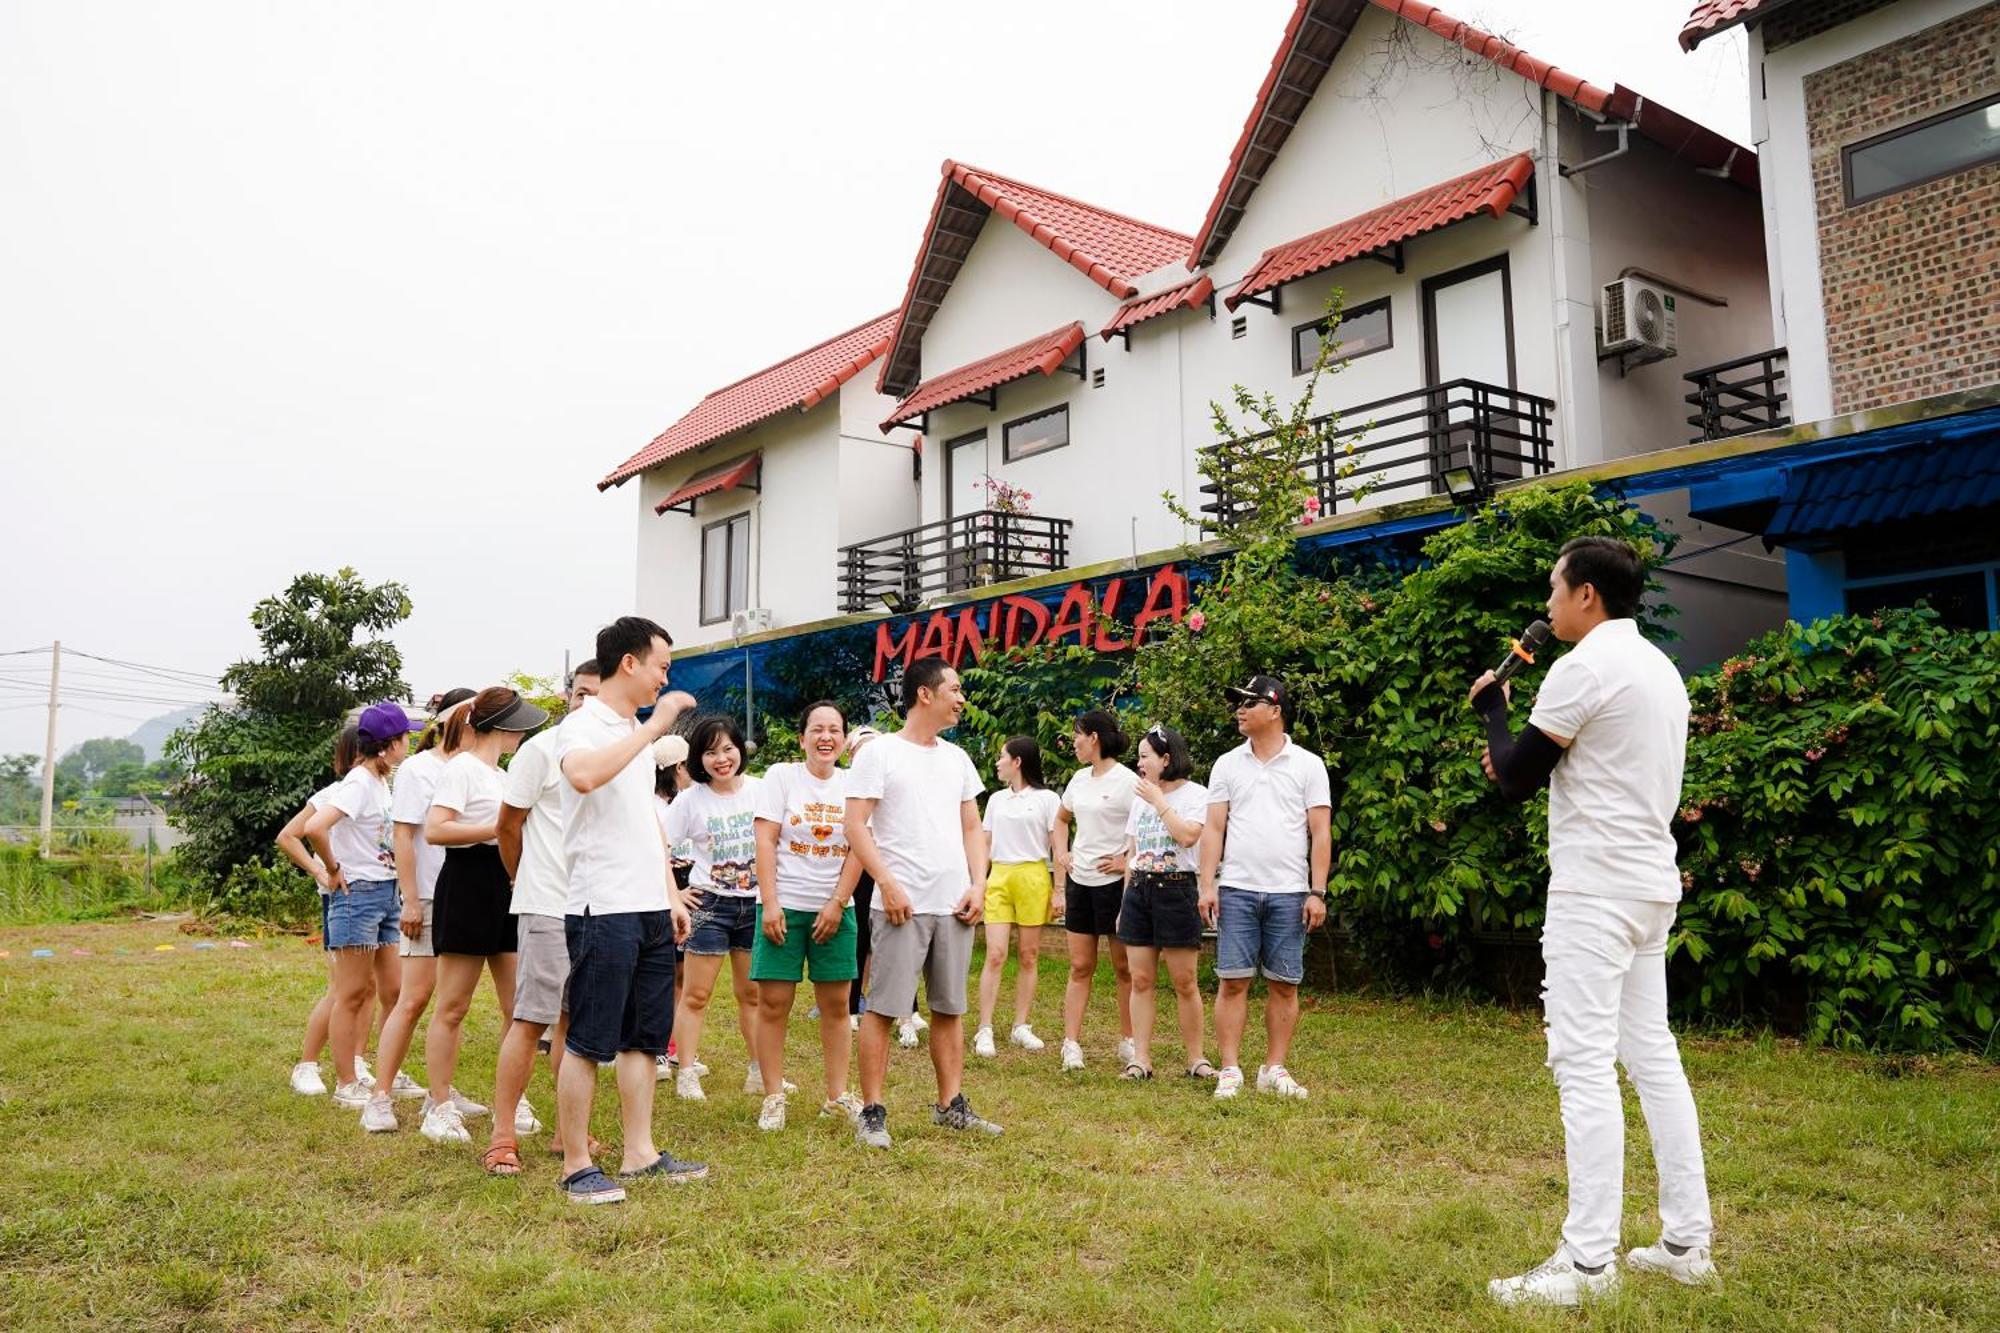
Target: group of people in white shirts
{"x": 613, "y": 859}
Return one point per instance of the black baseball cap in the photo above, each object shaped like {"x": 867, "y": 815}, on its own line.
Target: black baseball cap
{"x": 516, "y": 715}
{"x": 1259, "y": 689}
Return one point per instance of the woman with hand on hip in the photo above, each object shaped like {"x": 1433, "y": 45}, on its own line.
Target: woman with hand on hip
{"x": 291, "y": 841}
{"x": 1096, "y": 803}
{"x": 1160, "y": 919}
{"x": 1020, "y": 825}
{"x": 805, "y": 920}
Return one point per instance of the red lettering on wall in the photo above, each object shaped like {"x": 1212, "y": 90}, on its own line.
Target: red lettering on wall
{"x": 1166, "y": 599}
{"x": 1107, "y": 618}
{"x": 1072, "y": 616}
{"x": 1016, "y": 608}
{"x": 889, "y": 648}
{"x": 970, "y": 638}
{"x": 937, "y": 637}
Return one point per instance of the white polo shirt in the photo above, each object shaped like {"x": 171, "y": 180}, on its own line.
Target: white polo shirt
{"x": 1612, "y": 798}
{"x": 541, "y": 880}
{"x": 1099, "y": 807}
{"x": 611, "y": 840}
{"x": 1266, "y": 848}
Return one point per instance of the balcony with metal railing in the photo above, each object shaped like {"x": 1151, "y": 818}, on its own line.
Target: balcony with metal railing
{"x": 1405, "y": 445}
{"x": 902, "y": 570}
{"x": 1740, "y": 396}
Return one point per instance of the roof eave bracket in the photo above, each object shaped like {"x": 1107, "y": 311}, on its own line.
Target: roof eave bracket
{"x": 1526, "y": 204}
{"x": 1269, "y": 300}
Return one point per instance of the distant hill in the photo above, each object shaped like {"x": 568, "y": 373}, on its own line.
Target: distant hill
{"x": 152, "y": 735}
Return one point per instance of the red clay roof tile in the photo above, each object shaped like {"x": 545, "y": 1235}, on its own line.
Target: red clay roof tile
{"x": 1712, "y": 16}
{"x": 1043, "y": 353}
{"x": 725, "y": 478}
{"x": 1490, "y": 190}
{"x": 802, "y": 382}
{"x": 1186, "y": 296}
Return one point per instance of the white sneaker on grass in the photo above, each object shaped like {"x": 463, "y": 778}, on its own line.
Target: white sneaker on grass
{"x": 1072, "y": 1055}
{"x": 663, "y": 1069}
{"x": 379, "y": 1116}
{"x": 465, "y": 1106}
{"x": 846, "y": 1104}
{"x": 772, "y": 1116}
{"x": 1024, "y": 1037}
{"x": 1128, "y": 1052}
{"x": 362, "y": 1074}
{"x": 854, "y": 1022}
{"x": 982, "y": 1043}
{"x": 753, "y": 1081}
{"x": 687, "y": 1086}
{"x": 1278, "y": 1079}
{"x": 1556, "y": 1281}
{"x": 350, "y": 1096}
{"x": 1228, "y": 1082}
{"x": 306, "y": 1080}
{"x": 405, "y": 1086}
{"x": 1692, "y": 1267}
{"x": 443, "y": 1124}
{"x": 524, "y": 1118}
{"x": 907, "y": 1030}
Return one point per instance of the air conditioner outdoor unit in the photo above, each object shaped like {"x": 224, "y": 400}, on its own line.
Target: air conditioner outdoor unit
{"x": 1638, "y": 320}
{"x": 755, "y": 620}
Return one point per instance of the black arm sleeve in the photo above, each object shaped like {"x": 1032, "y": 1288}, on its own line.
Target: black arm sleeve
{"x": 1521, "y": 763}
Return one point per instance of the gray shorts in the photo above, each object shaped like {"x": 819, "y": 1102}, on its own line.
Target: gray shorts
{"x": 420, "y": 947}
{"x": 541, "y": 969}
{"x": 938, "y": 948}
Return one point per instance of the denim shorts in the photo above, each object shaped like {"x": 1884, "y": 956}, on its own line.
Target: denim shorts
{"x": 367, "y": 916}
{"x": 621, "y": 984}
{"x": 723, "y": 924}
{"x": 1261, "y": 932}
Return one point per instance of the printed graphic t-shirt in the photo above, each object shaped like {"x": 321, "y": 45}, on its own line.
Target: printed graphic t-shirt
{"x": 723, "y": 830}
{"x": 1154, "y": 851}
{"x": 812, "y": 833}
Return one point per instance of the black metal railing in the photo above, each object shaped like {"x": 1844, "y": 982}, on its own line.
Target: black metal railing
{"x": 1407, "y": 443}
{"x": 963, "y": 552}
{"x": 1738, "y": 396}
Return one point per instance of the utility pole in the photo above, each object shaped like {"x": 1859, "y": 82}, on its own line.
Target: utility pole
{"x": 49, "y": 756}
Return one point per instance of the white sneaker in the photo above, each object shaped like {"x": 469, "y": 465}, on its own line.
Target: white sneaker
{"x": 362, "y": 1074}
{"x": 306, "y": 1080}
{"x": 700, "y": 1069}
{"x": 404, "y": 1086}
{"x": 982, "y": 1043}
{"x": 753, "y": 1081}
{"x": 350, "y": 1096}
{"x": 443, "y": 1124}
{"x": 687, "y": 1086}
{"x": 1556, "y": 1281}
{"x": 906, "y": 1031}
{"x": 918, "y": 1021}
{"x": 1024, "y": 1037}
{"x": 1278, "y": 1079}
{"x": 524, "y": 1118}
{"x": 812, "y": 1014}
{"x": 465, "y": 1106}
{"x": 846, "y": 1104}
{"x": 1128, "y": 1052}
{"x": 854, "y": 1022}
{"x": 1072, "y": 1055}
{"x": 772, "y": 1117}
{"x": 1694, "y": 1268}
{"x": 663, "y": 1069}
{"x": 1228, "y": 1083}
{"x": 379, "y": 1116}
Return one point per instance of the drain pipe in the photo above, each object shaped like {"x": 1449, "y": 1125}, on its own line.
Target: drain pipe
{"x": 1622, "y": 128}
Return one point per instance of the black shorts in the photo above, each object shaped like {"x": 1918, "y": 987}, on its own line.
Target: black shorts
{"x": 1092, "y": 909}
{"x": 469, "y": 912}
{"x": 621, "y": 984}
{"x": 1161, "y": 912}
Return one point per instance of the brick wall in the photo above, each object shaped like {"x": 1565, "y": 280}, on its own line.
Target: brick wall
{"x": 1912, "y": 279}
{"x": 1809, "y": 18}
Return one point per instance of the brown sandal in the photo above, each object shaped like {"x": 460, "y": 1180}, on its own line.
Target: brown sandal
{"x": 595, "y": 1149}
{"x": 502, "y": 1159}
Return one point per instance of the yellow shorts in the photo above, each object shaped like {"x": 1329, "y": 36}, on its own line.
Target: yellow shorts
{"x": 1018, "y": 893}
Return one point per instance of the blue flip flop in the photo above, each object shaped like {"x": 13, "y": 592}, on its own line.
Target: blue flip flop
{"x": 591, "y": 1185}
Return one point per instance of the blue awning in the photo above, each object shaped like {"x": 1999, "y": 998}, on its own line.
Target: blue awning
{"x": 1952, "y": 472}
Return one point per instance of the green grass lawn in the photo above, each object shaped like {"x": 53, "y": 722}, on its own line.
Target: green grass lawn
{"x": 157, "y": 1172}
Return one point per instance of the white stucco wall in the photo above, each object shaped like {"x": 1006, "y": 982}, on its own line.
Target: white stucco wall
{"x": 1008, "y": 290}
{"x": 1785, "y": 161}
{"x": 878, "y": 487}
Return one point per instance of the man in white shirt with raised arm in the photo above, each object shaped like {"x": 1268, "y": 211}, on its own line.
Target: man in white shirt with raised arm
{"x": 913, "y": 820}
{"x": 1609, "y": 736}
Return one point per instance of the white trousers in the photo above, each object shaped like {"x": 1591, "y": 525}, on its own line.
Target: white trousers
{"x": 1604, "y": 994}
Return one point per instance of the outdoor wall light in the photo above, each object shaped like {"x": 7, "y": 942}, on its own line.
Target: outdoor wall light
{"x": 1462, "y": 485}
{"x": 899, "y": 603}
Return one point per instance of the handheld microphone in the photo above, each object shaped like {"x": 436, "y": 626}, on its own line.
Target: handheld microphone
{"x": 1523, "y": 652}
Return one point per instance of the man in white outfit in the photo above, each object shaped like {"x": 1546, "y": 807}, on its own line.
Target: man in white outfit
{"x": 1609, "y": 735}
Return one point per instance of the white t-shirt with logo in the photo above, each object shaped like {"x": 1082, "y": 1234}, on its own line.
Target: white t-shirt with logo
{"x": 416, "y": 781}
{"x": 812, "y": 833}
{"x": 1099, "y": 808}
{"x": 318, "y": 801}
{"x": 363, "y": 845}
{"x": 1020, "y": 822}
{"x": 1266, "y": 848}
{"x": 611, "y": 841}
{"x": 541, "y": 882}
{"x": 918, "y": 792}
{"x": 1154, "y": 850}
{"x": 723, "y": 830}
{"x": 472, "y": 787}
{"x": 1612, "y": 797}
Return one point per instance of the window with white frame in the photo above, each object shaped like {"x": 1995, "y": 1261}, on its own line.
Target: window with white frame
{"x": 725, "y": 568}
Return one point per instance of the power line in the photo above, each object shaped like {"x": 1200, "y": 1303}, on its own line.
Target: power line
{"x": 162, "y": 671}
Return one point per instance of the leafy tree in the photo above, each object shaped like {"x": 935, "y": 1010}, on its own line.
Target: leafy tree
{"x": 87, "y": 763}
{"x": 250, "y": 764}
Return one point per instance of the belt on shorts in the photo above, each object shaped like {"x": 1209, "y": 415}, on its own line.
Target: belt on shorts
{"x": 1168, "y": 876}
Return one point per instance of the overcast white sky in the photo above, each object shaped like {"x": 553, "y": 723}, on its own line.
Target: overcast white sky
{"x": 287, "y": 286}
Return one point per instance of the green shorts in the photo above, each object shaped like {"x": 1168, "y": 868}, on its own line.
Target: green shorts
{"x": 800, "y": 953}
